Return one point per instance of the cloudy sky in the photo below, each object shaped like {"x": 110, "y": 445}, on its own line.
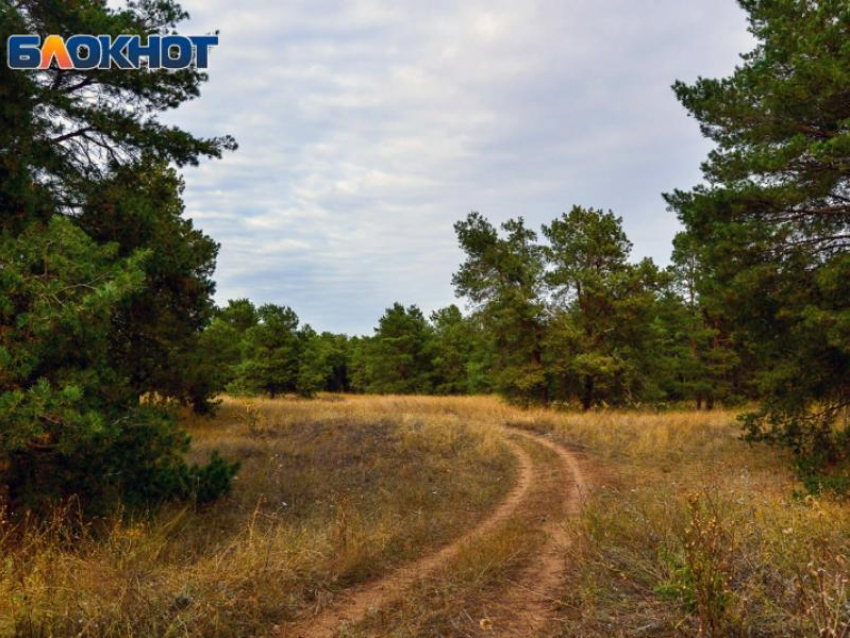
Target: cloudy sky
{"x": 368, "y": 127}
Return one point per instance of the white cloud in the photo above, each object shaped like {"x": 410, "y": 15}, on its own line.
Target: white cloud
{"x": 368, "y": 127}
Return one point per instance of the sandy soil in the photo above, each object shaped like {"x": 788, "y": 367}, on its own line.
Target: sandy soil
{"x": 528, "y": 605}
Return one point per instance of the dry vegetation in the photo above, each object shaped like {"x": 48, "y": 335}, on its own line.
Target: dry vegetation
{"x": 481, "y": 592}
{"x": 686, "y": 531}
{"x": 691, "y": 531}
{"x": 330, "y": 492}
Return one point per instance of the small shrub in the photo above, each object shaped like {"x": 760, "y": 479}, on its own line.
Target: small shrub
{"x": 708, "y": 547}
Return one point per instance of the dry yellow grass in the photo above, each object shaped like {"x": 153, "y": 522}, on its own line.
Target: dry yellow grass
{"x": 687, "y": 530}
{"x": 330, "y": 492}
{"x": 691, "y": 531}
{"x": 475, "y": 594}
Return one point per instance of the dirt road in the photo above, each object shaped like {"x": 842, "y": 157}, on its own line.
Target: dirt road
{"x": 523, "y": 610}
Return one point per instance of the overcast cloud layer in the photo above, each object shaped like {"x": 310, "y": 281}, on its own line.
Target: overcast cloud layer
{"x": 367, "y": 128}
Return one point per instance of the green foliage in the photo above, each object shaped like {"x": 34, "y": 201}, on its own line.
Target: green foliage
{"x": 451, "y": 350}
{"x": 707, "y": 361}
{"x": 359, "y": 363}
{"x": 573, "y": 320}
{"x": 315, "y": 366}
{"x": 772, "y": 227}
{"x": 601, "y": 343}
{"x": 270, "y": 352}
{"x": 338, "y": 362}
{"x": 219, "y": 348}
{"x": 72, "y": 127}
{"x": 208, "y": 482}
{"x": 503, "y": 279}
{"x": 157, "y": 344}
{"x": 104, "y": 288}
{"x": 264, "y": 351}
{"x": 239, "y": 314}
{"x": 60, "y": 290}
{"x": 397, "y": 358}
{"x": 72, "y": 425}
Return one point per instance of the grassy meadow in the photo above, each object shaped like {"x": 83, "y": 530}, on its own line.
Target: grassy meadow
{"x": 684, "y": 530}
{"x": 331, "y": 492}
{"x": 691, "y": 531}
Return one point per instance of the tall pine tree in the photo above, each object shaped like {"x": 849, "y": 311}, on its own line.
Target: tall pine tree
{"x": 503, "y": 278}
{"x": 772, "y": 222}
{"x": 85, "y": 304}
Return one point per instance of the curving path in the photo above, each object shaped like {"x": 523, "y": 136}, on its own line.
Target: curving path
{"x": 527, "y": 606}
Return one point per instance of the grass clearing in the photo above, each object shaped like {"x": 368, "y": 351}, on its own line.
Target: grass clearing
{"x": 686, "y": 530}
{"x": 330, "y": 493}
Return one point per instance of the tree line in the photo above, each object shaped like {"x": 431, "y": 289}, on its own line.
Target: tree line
{"x": 755, "y": 305}
{"x": 569, "y": 321}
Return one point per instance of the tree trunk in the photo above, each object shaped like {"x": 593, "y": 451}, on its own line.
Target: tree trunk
{"x": 587, "y": 398}
{"x": 537, "y": 357}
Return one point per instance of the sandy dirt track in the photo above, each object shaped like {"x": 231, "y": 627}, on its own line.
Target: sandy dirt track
{"x": 528, "y": 605}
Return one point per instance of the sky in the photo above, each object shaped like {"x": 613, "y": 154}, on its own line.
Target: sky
{"x": 368, "y": 127}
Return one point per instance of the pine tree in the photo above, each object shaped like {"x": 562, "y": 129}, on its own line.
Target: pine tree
{"x": 398, "y": 360}
{"x": 503, "y": 279}
{"x": 600, "y": 343}
{"x": 315, "y": 362}
{"x": 63, "y": 132}
{"x": 772, "y": 224}
{"x": 74, "y": 150}
{"x": 271, "y": 352}
{"x": 156, "y": 341}
{"x": 709, "y": 363}
{"x": 451, "y": 350}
